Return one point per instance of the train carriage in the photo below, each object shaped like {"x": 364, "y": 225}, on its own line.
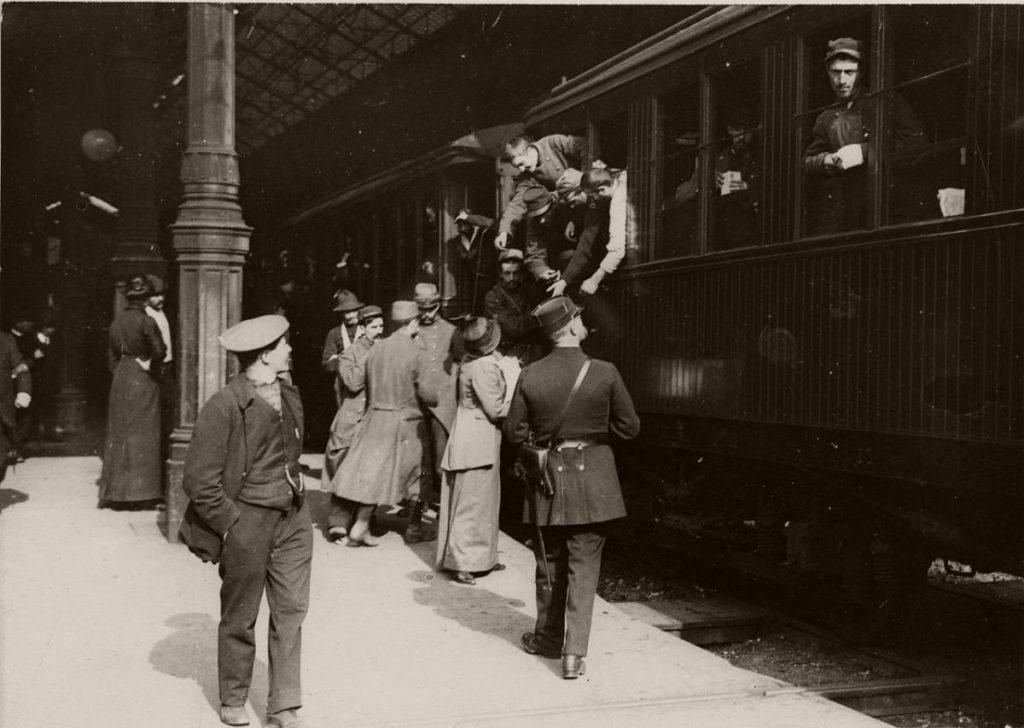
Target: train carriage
{"x": 859, "y": 370}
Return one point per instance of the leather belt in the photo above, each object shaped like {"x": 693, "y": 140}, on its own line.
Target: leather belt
{"x": 578, "y": 443}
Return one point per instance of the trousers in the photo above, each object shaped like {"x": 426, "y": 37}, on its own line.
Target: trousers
{"x": 566, "y": 610}
{"x": 273, "y": 550}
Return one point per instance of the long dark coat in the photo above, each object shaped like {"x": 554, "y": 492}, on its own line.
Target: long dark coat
{"x": 383, "y": 463}
{"x": 14, "y": 378}
{"x": 131, "y": 460}
{"x": 585, "y": 481}
{"x": 351, "y": 382}
{"x": 222, "y": 451}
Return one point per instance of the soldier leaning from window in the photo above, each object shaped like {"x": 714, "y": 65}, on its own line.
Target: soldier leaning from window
{"x": 541, "y": 162}
{"x": 843, "y": 146}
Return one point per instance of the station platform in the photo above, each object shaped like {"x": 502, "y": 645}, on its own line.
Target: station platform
{"x": 105, "y": 623}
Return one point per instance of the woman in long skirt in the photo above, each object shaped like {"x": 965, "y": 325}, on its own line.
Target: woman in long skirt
{"x": 131, "y": 462}
{"x": 468, "y": 540}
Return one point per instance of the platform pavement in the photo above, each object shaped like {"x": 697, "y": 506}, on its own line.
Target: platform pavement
{"x": 104, "y": 623}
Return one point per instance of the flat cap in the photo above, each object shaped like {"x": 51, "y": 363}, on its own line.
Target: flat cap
{"x": 255, "y": 333}
{"x": 370, "y": 312}
{"x": 843, "y": 47}
{"x": 402, "y": 312}
{"x": 554, "y": 313}
{"x": 511, "y": 254}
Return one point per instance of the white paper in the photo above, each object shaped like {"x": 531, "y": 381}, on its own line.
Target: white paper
{"x": 951, "y": 201}
{"x": 511, "y": 368}
{"x": 852, "y": 155}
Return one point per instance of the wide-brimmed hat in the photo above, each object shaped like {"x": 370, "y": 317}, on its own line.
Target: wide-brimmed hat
{"x": 843, "y": 47}
{"x": 345, "y": 301}
{"x": 138, "y": 288}
{"x": 426, "y": 296}
{"x": 554, "y": 313}
{"x": 402, "y": 312}
{"x": 255, "y": 333}
{"x": 481, "y": 336}
{"x": 370, "y": 312}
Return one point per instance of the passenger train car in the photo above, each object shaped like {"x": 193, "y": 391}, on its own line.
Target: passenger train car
{"x": 846, "y": 388}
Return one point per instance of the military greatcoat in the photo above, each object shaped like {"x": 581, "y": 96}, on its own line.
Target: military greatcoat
{"x": 351, "y": 382}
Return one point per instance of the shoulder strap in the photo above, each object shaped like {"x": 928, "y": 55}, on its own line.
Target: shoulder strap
{"x": 575, "y": 389}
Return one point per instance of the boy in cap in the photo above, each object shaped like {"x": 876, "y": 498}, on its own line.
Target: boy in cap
{"x": 581, "y": 470}
{"x": 841, "y": 147}
{"x": 248, "y": 512}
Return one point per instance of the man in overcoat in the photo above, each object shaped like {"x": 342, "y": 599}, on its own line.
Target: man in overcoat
{"x": 15, "y": 394}
{"x": 342, "y": 336}
{"x": 572, "y": 522}
{"x": 248, "y": 512}
{"x": 385, "y": 460}
{"x": 441, "y": 353}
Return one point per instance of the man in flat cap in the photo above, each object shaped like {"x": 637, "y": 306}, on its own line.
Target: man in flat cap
{"x": 342, "y": 336}
{"x": 509, "y": 303}
{"x": 385, "y": 459}
{"x": 843, "y": 146}
{"x": 441, "y": 352}
{"x": 572, "y": 516}
{"x": 248, "y": 512}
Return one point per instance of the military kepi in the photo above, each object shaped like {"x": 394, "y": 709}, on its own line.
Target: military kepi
{"x": 555, "y": 313}
{"x": 255, "y": 333}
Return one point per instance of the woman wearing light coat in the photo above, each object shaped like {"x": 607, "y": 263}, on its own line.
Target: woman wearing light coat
{"x": 467, "y": 543}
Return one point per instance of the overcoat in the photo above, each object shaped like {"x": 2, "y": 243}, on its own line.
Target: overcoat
{"x": 440, "y": 362}
{"x": 585, "y": 481}
{"x": 351, "y": 382}
{"x": 384, "y": 461}
{"x": 131, "y": 461}
{"x": 476, "y": 436}
{"x": 221, "y": 453}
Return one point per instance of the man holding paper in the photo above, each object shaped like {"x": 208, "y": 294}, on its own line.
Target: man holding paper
{"x": 843, "y": 143}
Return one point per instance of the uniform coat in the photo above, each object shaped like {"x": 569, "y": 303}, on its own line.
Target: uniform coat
{"x": 131, "y": 461}
{"x": 260, "y": 548}
{"x": 471, "y": 497}
{"x": 511, "y": 309}
{"x": 14, "y": 379}
{"x": 585, "y": 481}
{"x": 383, "y": 463}
{"x": 587, "y": 493}
{"x": 351, "y": 382}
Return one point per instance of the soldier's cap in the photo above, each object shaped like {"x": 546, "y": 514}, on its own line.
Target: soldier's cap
{"x": 370, "y": 312}
{"x": 345, "y": 301}
{"x": 511, "y": 254}
{"x": 568, "y": 183}
{"x": 254, "y": 334}
{"x": 426, "y": 296}
{"x": 538, "y": 200}
{"x": 481, "y": 336}
{"x": 843, "y": 47}
{"x": 402, "y": 312}
{"x": 554, "y": 313}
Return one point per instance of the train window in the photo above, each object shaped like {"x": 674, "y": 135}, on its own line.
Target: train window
{"x": 611, "y": 140}
{"x": 736, "y": 193}
{"x": 679, "y": 119}
{"x": 924, "y": 108}
{"x": 837, "y": 118}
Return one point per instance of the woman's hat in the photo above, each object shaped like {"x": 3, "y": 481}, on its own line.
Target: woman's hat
{"x": 481, "y": 336}
{"x": 345, "y": 301}
{"x": 370, "y": 312}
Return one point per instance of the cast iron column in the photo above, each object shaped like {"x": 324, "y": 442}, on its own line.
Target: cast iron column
{"x": 211, "y": 239}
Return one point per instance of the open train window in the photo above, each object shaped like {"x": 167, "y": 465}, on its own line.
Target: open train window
{"x": 837, "y": 117}
{"x": 736, "y": 193}
{"x": 924, "y": 105}
{"x": 679, "y": 173}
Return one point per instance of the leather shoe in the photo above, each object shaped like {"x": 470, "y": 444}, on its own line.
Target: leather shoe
{"x": 464, "y": 577}
{"x": 417, "y": 533}
{"x": 234, "y": 715}
{"x": 533, "y": 646}
{"x": 572, "y": 667}
{"x": 366, "y": 540}
{"x": 284, "y": 719}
